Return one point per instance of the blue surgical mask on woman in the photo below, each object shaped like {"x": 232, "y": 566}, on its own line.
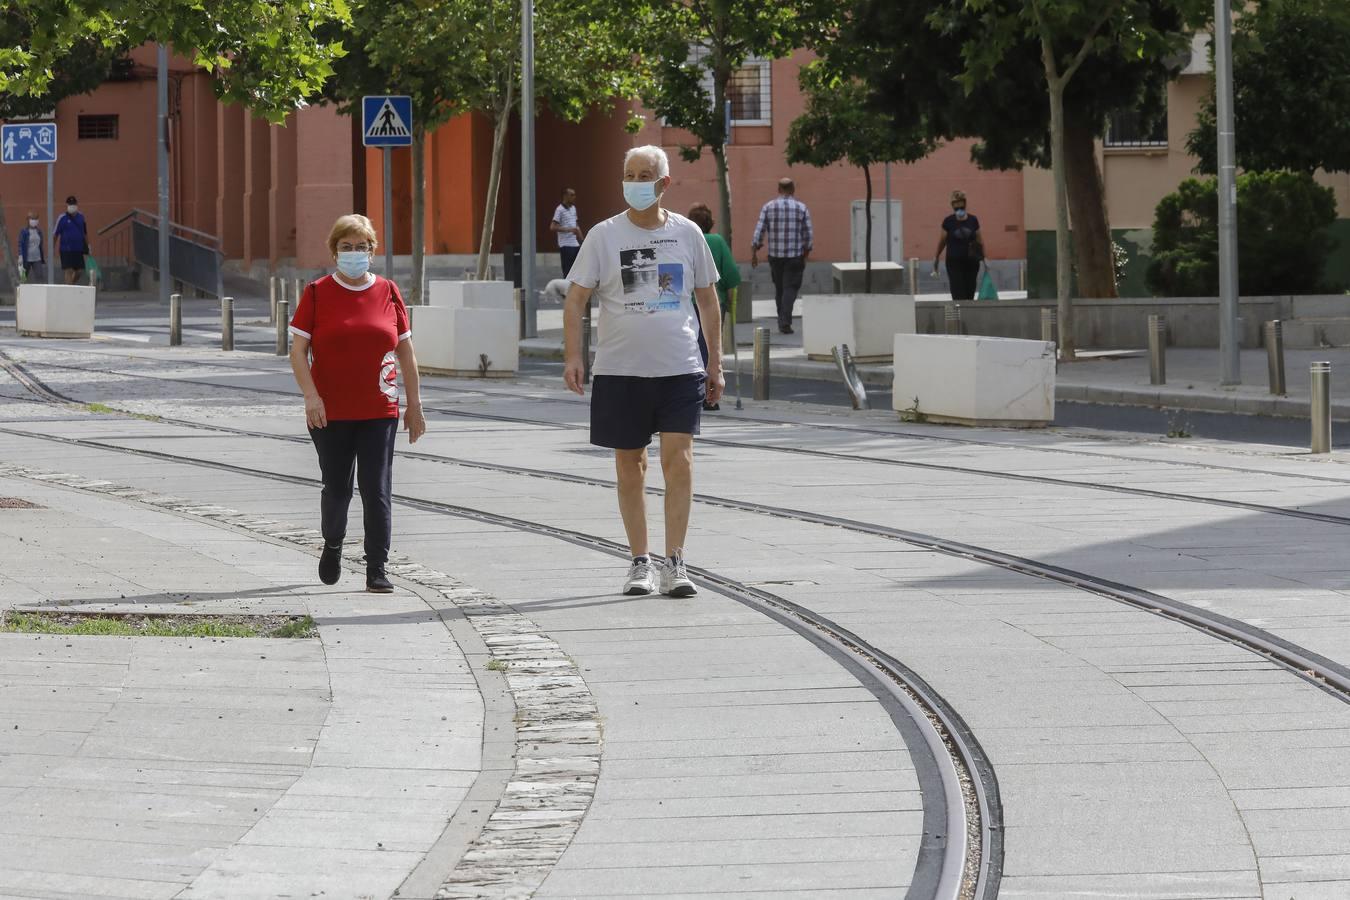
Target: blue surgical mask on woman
{"x": 961, "y": 213}
{"x": 639, "y": 194}
{"x": 353, "y": 263}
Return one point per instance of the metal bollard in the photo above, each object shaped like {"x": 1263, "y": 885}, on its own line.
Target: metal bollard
{"x": 283, "y": 334}
{"x": 761, "y": 364}
{"x": 272, "y": 300}
{"x": 227, "y": 323}
{"x": 297, "y": 288}
{"x": 952, "y": 316}
{"x": 1049, "y": 331}
{"x": 1321, "y": 407}
{"x": 175, "y": 320}
{"x": 1022, "y": 275}
{"x": 1275, "y": 356}
{"x": 913, "y": 275}
{"x": 1157, "y": 350}
{"x": 586, "y": 344}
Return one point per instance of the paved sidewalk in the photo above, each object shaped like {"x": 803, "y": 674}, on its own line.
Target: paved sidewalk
{"x": 1135, "y": 757}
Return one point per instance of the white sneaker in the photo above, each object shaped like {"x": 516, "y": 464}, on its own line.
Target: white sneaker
{"x": 641, "y": 577}
{"x": 675, "y": 578}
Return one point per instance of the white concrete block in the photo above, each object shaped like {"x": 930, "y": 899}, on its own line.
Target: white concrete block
{"x": 454, "y": 341}
{"x": 866, "y": 322}
{"x": 472, "y": 294}
{"x": 975, "y": 380}
{"x": 55, "y": 310}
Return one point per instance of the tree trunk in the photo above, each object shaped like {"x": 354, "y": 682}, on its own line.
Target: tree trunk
{"x": 1095, "y": 263}
{"x": 1063, "y": 250}
{"x": 500, "y": 126}
{"x": 719, "y": 151}
{"x": 419, "y": 206}
{"x": 11, "y": 264}
{"x": 867, "y": 239}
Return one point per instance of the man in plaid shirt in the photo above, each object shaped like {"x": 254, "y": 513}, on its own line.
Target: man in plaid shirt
{"x": 786, "y": 222}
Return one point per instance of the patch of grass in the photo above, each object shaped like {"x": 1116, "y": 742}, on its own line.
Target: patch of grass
{"x": 105, "y": 409}
{"x": 497, "y": 665}
{"x": 96, "y": 624}
{"x": 1178, "y": 427}
{"x": 912, "y": 414}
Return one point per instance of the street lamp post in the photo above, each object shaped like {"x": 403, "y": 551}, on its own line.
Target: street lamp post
{"x": 1228, "y": 256}
{"x": 528, "y": 295}
{"x": 162, "y": 93}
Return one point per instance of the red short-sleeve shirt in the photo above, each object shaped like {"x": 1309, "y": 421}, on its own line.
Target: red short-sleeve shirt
{"x": 353, "y": 333}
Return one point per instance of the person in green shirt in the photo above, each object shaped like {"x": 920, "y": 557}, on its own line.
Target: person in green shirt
{"x": 728, "y": 273}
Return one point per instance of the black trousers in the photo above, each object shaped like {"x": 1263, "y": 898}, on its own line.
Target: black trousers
{"x": 962, "y": 273}
{"x": 568, "y": 256}
{"x": 786, "y": 272}
{"x": 364, "y": 448}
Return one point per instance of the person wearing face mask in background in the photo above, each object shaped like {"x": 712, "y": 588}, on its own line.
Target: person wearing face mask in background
{"x": 648, "y": 267}
{"x": 965, "y": 249}
{"x": 351, "y": 340}
{"x": 72, "y": 240}
{"x": 32, "y": 253}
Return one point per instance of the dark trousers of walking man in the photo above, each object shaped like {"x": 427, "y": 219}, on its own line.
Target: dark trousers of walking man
{"x": 786, "y": 272}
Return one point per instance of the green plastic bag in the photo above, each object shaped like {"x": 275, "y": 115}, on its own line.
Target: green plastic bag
{"x": 987, "y": 289}
{"x": 91, "y": 265}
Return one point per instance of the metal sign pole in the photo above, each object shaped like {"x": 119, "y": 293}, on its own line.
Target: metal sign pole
{"x": 527, "y": 173}
{"x": 388, "y": 213}
{"x": 1228, "y": 262}
{"x": 52, "y": 267}
{"x": 165, "y": 272}
{"x": 888, "y": 213}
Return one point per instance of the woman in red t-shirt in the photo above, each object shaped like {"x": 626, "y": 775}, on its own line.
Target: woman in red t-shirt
{"x": 351, "y": 340}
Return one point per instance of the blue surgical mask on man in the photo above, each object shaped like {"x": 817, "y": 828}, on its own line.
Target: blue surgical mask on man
{"x": 353, "y": 263}
{"x": 639, "y": 194}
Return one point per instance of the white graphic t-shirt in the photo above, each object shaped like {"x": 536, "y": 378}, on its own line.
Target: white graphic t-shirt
{"x": 644, "y": 280}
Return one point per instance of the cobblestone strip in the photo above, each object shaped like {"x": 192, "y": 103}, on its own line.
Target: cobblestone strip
{"x": 558, "y": 730}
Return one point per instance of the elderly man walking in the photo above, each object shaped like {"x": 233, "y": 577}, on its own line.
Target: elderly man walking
{"x": 648, "y": 266}
{"x": 785, "y": 223}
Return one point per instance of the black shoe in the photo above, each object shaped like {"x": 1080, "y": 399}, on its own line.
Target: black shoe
{"x": 712, "y": 407}
{"x": 786, "y": 329}
{"x": 377, "y": 582}
{"x": 330, "y": 564}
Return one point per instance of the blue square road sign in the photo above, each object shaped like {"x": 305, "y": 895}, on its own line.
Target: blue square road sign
{"x": 28, "y": 142}
{"x": 386, "y": 121}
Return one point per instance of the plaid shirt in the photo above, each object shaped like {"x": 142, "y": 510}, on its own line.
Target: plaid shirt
{"x": 787, "y": 222}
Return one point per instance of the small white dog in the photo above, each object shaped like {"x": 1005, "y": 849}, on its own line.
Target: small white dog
{"x": 556, "y": 289}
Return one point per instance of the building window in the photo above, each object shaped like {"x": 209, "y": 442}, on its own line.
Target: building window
{"x": 97, "y": 128}
{"x": 750, "y": 89}
{"x": 1125, "y": 129}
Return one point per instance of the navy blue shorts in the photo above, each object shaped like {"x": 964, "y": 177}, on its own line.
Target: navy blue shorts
{"x": 626, "y": 410}
{"x": 72, "y": 260}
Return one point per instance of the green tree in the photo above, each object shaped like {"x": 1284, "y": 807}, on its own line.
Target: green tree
{"x": 690, "y": 40}
{"x": 1283, "y": 236}
{"x": 839, "y": 124}
{"x": 1067, "y": 33}
{"x": 1291, "y": 89}
{"x": 263, "y": 52}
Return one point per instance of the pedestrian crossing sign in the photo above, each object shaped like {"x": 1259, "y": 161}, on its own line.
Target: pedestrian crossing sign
{"x": 386, "y": 121}
{"x": 28, "y": 142}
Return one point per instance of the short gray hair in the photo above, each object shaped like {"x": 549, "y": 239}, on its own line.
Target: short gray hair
{"x": 653, "y": 154}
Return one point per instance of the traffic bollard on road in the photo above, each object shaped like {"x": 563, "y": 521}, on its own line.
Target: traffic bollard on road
{"x": 175, "y": 320}
{"x": 1275, "y": 356}
{"x": 1321, "y": 407}
{"x": 1049, "y": 333}
{"x": 952, "y": 316}
{"x": 283, "y": 335}
{"x": 272, "y": 300}
{"x": 913, "y": 275}
{"x": 761, "y": 364}
{"x": 1157, "y": 350}
{"x": 227, "y": 323}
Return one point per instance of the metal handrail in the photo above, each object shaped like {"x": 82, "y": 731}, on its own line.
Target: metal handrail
{"x": 155, "y": 219}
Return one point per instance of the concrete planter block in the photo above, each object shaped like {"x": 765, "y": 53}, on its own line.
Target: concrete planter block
{"x": 472, "y": 294}
{"x": 453, "y": 341}
{"x": 866, "y": 322}
{"x": 55, "y": 310}
{"x": 851, "y": 277}
{"x": 972, "y": 380}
